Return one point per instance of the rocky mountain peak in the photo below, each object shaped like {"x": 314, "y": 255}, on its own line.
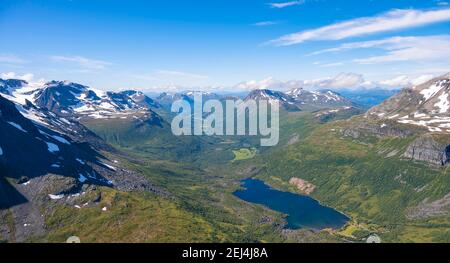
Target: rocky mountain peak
{"x": 8, "y": 86}
{"x": 426, "y": 105}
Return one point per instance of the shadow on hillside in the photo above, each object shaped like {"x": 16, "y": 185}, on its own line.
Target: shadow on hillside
{"x": 9, "y": 196}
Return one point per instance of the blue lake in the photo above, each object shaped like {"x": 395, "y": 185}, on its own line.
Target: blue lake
{"x": 302, "y": 211}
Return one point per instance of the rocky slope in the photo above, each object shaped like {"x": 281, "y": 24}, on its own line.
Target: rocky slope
{"x": 299, "y": 99}
{"x": 285, "y": 101}
{"x": 427, "y": 149}
{"x": 426, "y": 105}
{"x": 318, "y": 99}
{"x": 421, "y": 112}
{"x": 47, "y": 159}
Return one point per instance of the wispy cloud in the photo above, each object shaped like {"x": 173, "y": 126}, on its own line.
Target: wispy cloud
{"x": 404, "y": 81}
{"x": 83, "y": 62}
{"x": 286, "y": 4}
{"x": 329, "y": 65}
{"x": 422, "y": 48}
{"x": 385, "y": 22}
{"x": 179, "y": 74}
{"x": 345, "y": 80}
{"x": 342, "y": 80}
{"x": 12, "y": 59}
{"x": 266, "y": 23}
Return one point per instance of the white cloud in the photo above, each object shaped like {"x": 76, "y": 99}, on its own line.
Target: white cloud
{"x": 389, "y": 21}
{"x": 83, "y": 62}
{"x": 422, "y": 79}
{"x": 286, "y": 4}
{"x": 11, "y": 59}
{"x": 268, "y": 83}
{"x": 400, "y": 81}
{"x": 12, "y": 75}
{"x": 28, "y": 77}
{"x": 265, "y": 23}
{"x": 424, "y": 48}
{"x": 329, "y": 65}
{"x": 403, "y": 81}
{"x": 343, "y": 80}
{"x": 412, "y": 49}
{"x": 355, "y": 81}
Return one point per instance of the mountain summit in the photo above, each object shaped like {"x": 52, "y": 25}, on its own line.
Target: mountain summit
{"x": 426, "y": 105}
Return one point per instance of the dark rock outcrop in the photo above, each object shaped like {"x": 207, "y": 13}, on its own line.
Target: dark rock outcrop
{"x": 426, "y": 149}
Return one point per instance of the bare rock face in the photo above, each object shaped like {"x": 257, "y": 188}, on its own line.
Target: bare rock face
{"x": 378, "y": 130}
{"x": 426, "y": 105}
{"x": 427, "y": 209}
{"x": 426, "y": 149}
{"x": 303, "y": 186}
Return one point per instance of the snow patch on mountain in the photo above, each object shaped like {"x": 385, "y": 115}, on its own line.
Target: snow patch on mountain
{"x": 17, "y": 126}
{"x": 56, "y": 197}
{"x": 426, "y": 105}
{"x": 53, "y": 148}
{"x": 430, "y": 92}
{"x": 109, "y": 166}
{"x": 82, "y": 178}
{"x": 80, "y": 161}
{"x": 443, "y": 103}
{"x": 61, "y": 139}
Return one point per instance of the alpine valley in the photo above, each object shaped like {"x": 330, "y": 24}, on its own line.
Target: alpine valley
{"x": 105, "y": 166}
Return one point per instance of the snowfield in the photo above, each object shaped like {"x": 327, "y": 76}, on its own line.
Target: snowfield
{"x": 52, "y": 147}
{"x": 17, "y": 126}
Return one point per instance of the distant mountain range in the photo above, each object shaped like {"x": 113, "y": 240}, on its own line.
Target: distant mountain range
{"x": 297, "y": 99}
{"x": 366, "y": 97}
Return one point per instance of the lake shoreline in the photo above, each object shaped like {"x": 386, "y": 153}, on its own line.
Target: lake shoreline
{"x": 307, "y": 212}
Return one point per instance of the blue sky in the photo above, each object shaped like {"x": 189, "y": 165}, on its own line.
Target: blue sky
{"x": 154, "y": 45}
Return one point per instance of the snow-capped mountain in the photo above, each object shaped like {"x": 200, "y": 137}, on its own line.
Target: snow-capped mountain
{"x": 40, "y": 132}
{"x": 9, "y": 86}
{"x": 167, "y": 98}
{"x": 47, "y": 159}
{"x": 30, "y": 149}
{"x": 268, "y": 95}
{"x": 321, "y": 99}
{"x": 287, "y": 102}
{"x": 141, "y": 99}
{"x": 301, "y": 99}
{"x": 69, "y": 99}
{"x": 426, "y": 105}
